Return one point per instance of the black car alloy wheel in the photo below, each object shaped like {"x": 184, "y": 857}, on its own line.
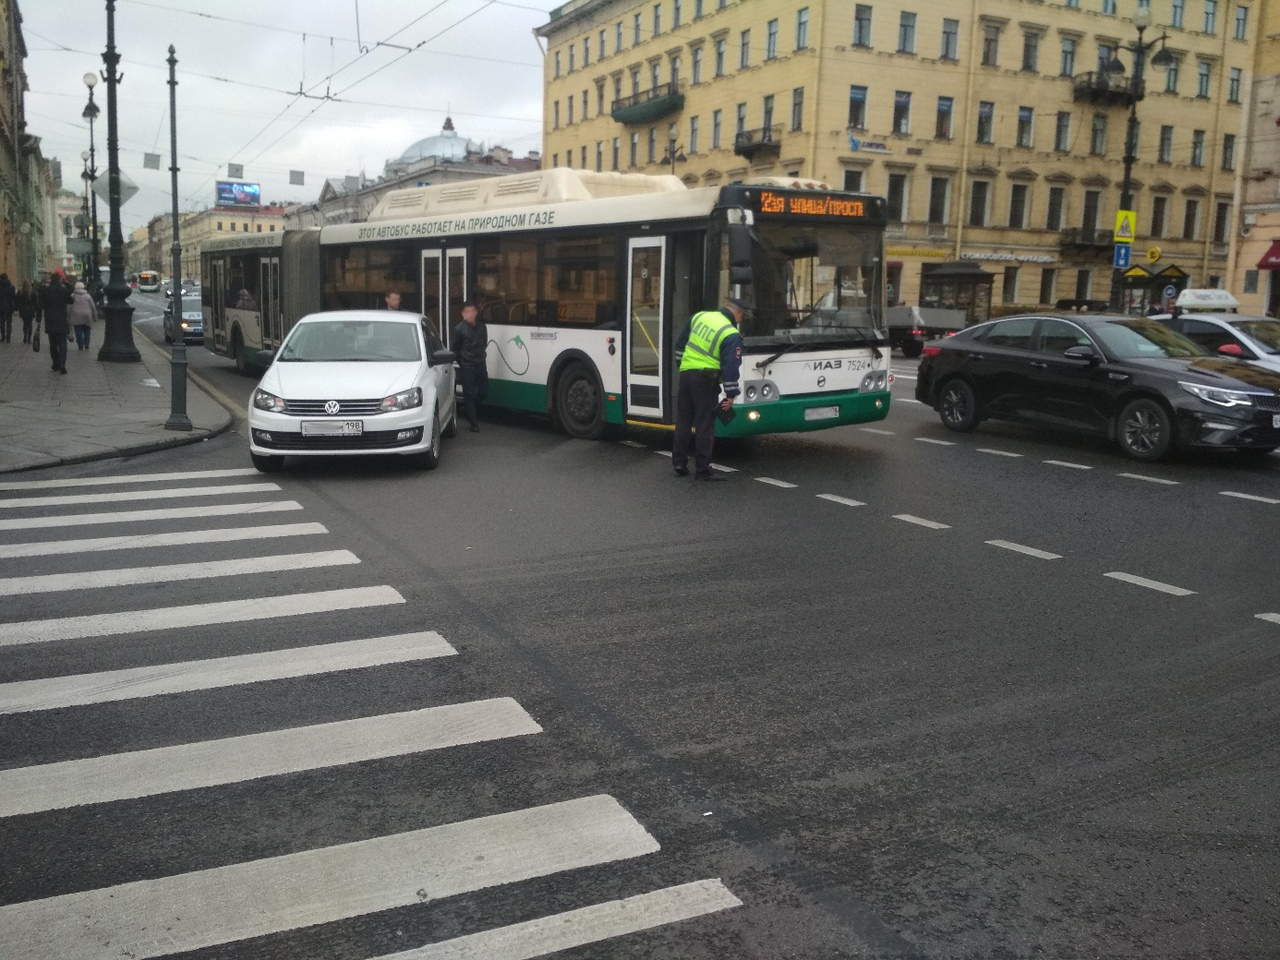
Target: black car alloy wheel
{"x": 1145, "y": 430}
{"x": 958, "y": 407}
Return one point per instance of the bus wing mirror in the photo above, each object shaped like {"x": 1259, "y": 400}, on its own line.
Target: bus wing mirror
{"x": 739, "y": 253}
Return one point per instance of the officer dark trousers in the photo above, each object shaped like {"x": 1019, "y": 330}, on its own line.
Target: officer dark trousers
{"x": 696, "y": 410}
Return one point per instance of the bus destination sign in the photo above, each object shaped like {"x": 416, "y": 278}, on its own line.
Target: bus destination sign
{"x": 810, "y": 205}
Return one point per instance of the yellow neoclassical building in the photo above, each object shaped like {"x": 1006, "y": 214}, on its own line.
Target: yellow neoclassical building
{"x": 996, "y": 129}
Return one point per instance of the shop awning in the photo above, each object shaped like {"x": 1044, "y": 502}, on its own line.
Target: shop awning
{"x": 1271, "y": 259}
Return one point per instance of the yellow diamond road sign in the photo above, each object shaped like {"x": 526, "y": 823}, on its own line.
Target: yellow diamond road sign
{"x": 1126, "y": 221}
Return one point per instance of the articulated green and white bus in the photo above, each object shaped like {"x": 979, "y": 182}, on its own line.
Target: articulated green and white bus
{"x": 586, "y": 280}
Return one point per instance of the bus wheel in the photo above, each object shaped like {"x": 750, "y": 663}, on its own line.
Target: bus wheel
{"x": 238, "y": 354}
{"x": 580, "y": 403}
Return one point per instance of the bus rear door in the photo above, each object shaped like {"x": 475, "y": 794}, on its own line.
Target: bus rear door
{"x": 444, "y": 288}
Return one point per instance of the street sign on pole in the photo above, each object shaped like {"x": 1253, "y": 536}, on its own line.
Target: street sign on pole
{"x": 1126, "y": 224}
{"x": 127, "y": 188}
{"x": 1121, "y": 261}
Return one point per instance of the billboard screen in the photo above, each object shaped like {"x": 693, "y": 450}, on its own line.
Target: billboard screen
{"x": 238, "y": 194}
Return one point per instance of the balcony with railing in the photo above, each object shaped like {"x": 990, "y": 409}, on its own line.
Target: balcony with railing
{"x": 1085, "y": 240}
{"x": 757, "y": 144}
{"x": 1107, "y": 89}
{"x": 649, "y": 106}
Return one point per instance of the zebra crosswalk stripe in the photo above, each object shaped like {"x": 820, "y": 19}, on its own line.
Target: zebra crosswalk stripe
{"x": 124, "y": 478}
{"x": 173, "y": 493}
{"x": 138, "y": 516}
{"x": 143, "y": 541}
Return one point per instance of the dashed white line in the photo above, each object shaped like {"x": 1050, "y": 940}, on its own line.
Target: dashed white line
{"x": 905, "y": 400}
{"x": 1150, "y": 584}
{"x": 998, "y": 453}
{"x": 883, "y": 433}
{"x": 921, "y": 522}
{"x": 723, "y": 469}
{"x": 941, "y": 443}
{"x": 843, "y": 500}
{"x": 632, "y": 443}
{"x": 1029, "y": 551}
{"x": 1246, "y": 496}
{"x": 1269, "y": 617}
{"x": 905, "y": 376}
{"x": 776, "y": 483}
{"x": 1143, "y": 476}
{"x": 1068, "y": 464}
{"x": 663, "y": 453}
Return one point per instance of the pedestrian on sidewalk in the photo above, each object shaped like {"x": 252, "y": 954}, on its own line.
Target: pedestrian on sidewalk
{"x": 8, "y": 300}
{"x": 83, "y": 314}
{"x": 28, "y": 309}
{"x": 471, "y": 345}
{"x": 55, "y": 297}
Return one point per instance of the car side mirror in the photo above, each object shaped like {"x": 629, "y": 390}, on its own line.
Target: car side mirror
{"x": 442, "y": 357}
{"x": 1081, "y": 352}
{"x": 1231, "y": 350}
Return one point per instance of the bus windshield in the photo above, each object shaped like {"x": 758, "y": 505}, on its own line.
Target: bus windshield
{"x": 813, "y": 282}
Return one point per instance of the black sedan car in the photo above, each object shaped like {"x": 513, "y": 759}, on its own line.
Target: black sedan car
{"x": 1129, "y": 379}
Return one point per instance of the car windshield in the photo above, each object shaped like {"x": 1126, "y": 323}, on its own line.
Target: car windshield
{"x": 1266, "y": 332}
{"x": 351, "y": 341}
{"x": 1144, "y": 339}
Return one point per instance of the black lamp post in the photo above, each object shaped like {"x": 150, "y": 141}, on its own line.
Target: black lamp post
{"x": 673, "y": 156}
{"x": 1140, "y": 50}
{"x": 117, "y": 341}
{"x": 93, "y": 279}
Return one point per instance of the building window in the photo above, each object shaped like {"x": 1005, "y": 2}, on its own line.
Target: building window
{"x": 766, "y": 112}
{"x": 1009, "y": 288}
{"x": 1176, "y": 13}
{"x": 1204, "y": 75}
{"x": 693, "y": 134}
{"x": 584, "y": 105}
{"x": 720, "y": 54}
{"x": 1098, "y": 135}
{"x": 586, "y": 51}
{"x": 1242, "y": 23}
{"x": 740, "y": 125}
{"x": 979, "y": 191}
{"x": 1221, "y": 221}
{"x": 555, "y": 115}
{"x": 1229, "y": 151}
{"x": 617, "y": 88}
{"x": 896, "y": 198}
{"x": 1031, "y": 52}
{"x": 1197, "y": 148}
{"x": 599, "y": 98}
{"x": 1025, "y": 132}
{"x": 555, "y": 159}
{"x": 573, "y": 51}
{"x": 1109, "y": 7}
{"x": 273, "y": 228}
{"x": 990, "y": 46}
{"x": 1089, "y": 215}
{"x": 697, "y": 9}
{"x": 675, "y": 73}
{"x": 1106, "y": 53}
{"x": 599, "y": 155}
{"x": 1166, "y": 144}
{"x": 907, "y": 32}
{"x": 636, "y": 27}
{"x": 939, "y": 194}
{"x": 1190, "y": 219}
{"x": 556, "y": 61}
{"x": 1171, "y": 76}
{"x": 1067, "y": 67}
{"x": 653, "y": 144}
{"x": 617, "y": 38}
{"x": 1210, "y": 16}
{"x": 1062, "y": 132}
{"x": 744, "y": 50}
{"x": 1057, "y": 204}
{"x": 716, "y": 124}
{"x": 802, "y": 28}
{"x": 635, "y": 148}
{"x": 1073, "y": 4}
{"x": 1018, "y": 206}
{"x": 853, "y": 181}
{"x": 616, "y": 145}
{"x": 1233, "y": 85}
{"x": 655, "y": 76}
{"x": 797, "y": 108}
{"x": 950, "y": 40}
{"x": 902, "y": 112}
{"x": 69, "y": 228}
{"x": 862, "y": 25}
{"x": 676, "y": 14}
{"x": 857, "y": 108}
{"x": 1084, "y": 284}
{"x": 568, "y": 102}
{"x": 946, "y": 108}
{"x": 1159, "y": 214}
{"x": 1251, "y": 281}
{"x": 1048, "y": 283}
{"x": 986, "y": 121}
{"x": 657, "y": 19}
{"x": 600, "y": 50}
{"x": 771, "y": 40}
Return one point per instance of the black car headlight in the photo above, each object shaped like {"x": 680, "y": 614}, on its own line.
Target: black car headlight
{"x": 1218, "y": 396}
{"x": 405, "y": 400}
{"x": 267, "y": 401}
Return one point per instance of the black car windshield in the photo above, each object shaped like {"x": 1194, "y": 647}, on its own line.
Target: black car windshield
{"x": 351, "y": 341}
{"x": 1266, "y": 332}
{"x": 1138, "y": 339}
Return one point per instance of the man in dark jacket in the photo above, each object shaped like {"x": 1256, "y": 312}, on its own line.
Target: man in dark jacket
{"x": 471, "y": 345}
{"x": 8, "y": 300}
{"x": 55, "y": 297}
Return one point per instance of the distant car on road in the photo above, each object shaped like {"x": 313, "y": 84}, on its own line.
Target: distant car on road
{"x": 1129, "y": 379}
{"x": 192, "y": 322}
{"x": 1256, "y": 339}
{"x": 354, "y": 382}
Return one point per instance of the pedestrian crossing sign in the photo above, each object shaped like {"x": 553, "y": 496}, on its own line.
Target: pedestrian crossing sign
{"x": 1126, "y": 222}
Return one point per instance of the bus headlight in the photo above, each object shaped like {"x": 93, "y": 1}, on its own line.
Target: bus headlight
{"x": 759, "y": 391}
{"x": 766, "y": 392}
{"x": 751, "y": 393}
{"x": 753, "y": 415}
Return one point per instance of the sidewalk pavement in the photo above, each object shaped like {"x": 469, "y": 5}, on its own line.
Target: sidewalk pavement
{"x": 97, "y": 410}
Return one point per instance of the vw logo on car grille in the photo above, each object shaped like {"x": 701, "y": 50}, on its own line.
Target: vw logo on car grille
{"x": 331, "y": 408}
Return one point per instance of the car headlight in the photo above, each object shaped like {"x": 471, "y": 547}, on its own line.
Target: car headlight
{"x": 267, "y": 401}
{"x": 185, "y": 324}
{"x": 405, "y": 400}
{"x": 1215, "y": 395}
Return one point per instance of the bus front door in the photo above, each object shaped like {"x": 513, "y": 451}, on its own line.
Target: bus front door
{"x": 444, "y": 289}
{"x": 646, "y": 391}
{"x": 218, "y": 317}
{"x": 269, "y": 299}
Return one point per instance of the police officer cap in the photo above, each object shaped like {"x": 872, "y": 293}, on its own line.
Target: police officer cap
{"x": 746, "y": 307}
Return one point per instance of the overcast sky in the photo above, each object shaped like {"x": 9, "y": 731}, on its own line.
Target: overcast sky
{"x": 240, "y": 65}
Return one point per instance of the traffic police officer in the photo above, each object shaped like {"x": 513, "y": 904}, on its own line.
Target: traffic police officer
{"x": 710, "y": 352}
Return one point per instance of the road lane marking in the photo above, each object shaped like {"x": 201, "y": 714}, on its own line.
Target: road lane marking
{"x": 176, "y": 914}
{"x": 195, "y": 615}
{"x": 128, "y": 478}
{"x": 941, "y": 443}
{"x": 883, "y": 433}
{"x": 905, "y": 400}
{"x": 776, "y": 483}
{"x": 905, "y": 376}
{"x": 1269, "y": 617}
{"x": 921, "y": 522}
{"x": 137, "y": 516}
{"x": 1247, "y": 496}
{"x": 723, "y": 469}
{"x": 1143, "y": 476}
{"x": 998, "y": 453}
{"x": 577, "y": 928}
{"x": 844, "y": 500}
{"x": 1151, "y": 584}
{"x": 663, "y": 453}
{"x": 1029, "y": 551}
{"x": 212, "y": 763}
{"x": 146, "y": 541}
{"x": 174, "y": 572}
{"x": 1068, "y": 464}
{"x": 173, "y": 493}
{"x": 24, "y": 696}
{"x": 632, "y": 443}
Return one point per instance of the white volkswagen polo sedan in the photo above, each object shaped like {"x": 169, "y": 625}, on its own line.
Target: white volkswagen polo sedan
{"x": 354, "y": 382}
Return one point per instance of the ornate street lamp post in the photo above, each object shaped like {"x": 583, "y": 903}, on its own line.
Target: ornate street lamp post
{"x": 93, "y": 277}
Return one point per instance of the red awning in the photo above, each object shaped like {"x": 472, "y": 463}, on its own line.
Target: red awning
{"x": 1271, "y": 259}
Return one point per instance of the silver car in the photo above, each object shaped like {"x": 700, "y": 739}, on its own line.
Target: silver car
{"x": 1256, "y": 339}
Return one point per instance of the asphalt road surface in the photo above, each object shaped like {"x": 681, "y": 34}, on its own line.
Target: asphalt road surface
{"x": 888, "y": 692}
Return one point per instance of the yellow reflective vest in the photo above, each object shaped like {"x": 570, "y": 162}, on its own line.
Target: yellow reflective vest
{"x": 707, "y": 332}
